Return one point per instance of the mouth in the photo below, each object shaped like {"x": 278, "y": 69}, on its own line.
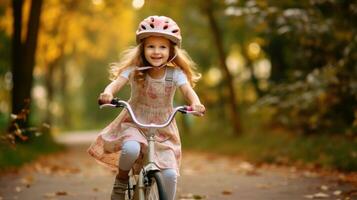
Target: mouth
{"x": 156, "y": 58}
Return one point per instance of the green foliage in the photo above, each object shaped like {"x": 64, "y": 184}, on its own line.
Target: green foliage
{"x": 312, "y": 47}
{"x": 321, "y": 103}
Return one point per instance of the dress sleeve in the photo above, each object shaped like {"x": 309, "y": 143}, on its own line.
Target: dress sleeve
{"x": 180, "y": 78}
{"x": 126, "y": 73}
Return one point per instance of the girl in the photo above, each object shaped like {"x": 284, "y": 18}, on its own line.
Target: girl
{"x": 154, "y": 69}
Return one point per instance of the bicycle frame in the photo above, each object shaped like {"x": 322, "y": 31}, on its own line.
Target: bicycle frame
{"x": 152, "y": 128}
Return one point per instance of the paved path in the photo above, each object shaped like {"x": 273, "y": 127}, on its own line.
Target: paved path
{"x": 73, "y": 175}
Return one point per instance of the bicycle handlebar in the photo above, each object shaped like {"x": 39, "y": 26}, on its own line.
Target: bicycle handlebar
{"x": 123, "y": 104}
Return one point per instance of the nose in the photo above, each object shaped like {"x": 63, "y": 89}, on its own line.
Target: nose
{"x": 156, "y": 50}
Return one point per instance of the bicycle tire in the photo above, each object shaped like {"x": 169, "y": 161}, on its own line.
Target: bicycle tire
{"x": 130, "y": 193}
{"x": 156, "y": 189}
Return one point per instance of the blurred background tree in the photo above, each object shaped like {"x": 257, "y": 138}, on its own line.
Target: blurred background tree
{"x": 312, "y": 49}
{"x": 296, "y": 58}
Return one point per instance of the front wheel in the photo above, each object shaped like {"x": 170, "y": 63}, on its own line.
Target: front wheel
{"x": 155, "y": 189}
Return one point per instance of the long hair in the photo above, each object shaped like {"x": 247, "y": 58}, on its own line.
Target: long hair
{"x": 134, "y": 57}
{"x": 187, "y": 65}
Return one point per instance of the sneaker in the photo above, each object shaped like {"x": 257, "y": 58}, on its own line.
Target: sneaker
{"x": 119, "y": 189}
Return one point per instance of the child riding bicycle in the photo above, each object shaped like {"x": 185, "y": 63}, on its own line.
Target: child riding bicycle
{"x": 154, "y": 69}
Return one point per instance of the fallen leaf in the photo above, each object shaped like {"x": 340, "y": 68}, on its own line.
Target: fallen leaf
{"x": 246, "y": 166}
{"x": 324, "y": 187}
{"x": 27, "y": 181}
{"x": 61, "y": 193}
{"x": 319, "y": 195}
{"x": 18, "y": 189}
{"x": 337, "y": 192}
{"x": 190, "y": 196}
{"x": 195, "y": 196}
{"x": 226, "y": 192}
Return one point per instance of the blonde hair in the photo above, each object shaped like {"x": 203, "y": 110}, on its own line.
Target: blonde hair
{"x": 134, "y": 57}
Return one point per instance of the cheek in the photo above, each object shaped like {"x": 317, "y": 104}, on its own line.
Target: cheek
{"x": 146, "y": 54}
{"x": 167, "y": 53}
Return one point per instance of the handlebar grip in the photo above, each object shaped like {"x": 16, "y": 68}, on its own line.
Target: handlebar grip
{"x": 115, "y": 101}
{"x": 186, "y": 109}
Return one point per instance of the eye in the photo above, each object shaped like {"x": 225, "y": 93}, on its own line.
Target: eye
{"x": 150, "y": 46}
{"x": 163, "y": 47}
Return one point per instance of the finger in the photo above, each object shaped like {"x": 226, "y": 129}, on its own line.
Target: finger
{"x": 199, "y": 114}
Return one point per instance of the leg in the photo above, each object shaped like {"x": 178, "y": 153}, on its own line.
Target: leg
{"x": 170, "y": 181}
{"x": 130, "y": 152}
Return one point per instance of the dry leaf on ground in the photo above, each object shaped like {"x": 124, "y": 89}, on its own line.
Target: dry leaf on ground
{"x": 18, "y": 189}
{"x": 27, "y": 181}
{"x": 190, "y": 196}
{"x": 226, "y": 192}
{"x": 319, "y": 195}
{"x": 61, "y": 193}
{"x": 324, "y": 187}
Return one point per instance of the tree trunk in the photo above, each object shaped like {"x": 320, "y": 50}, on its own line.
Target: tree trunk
{"x": 275, "y": 49}
{"x": 222, "y": 59}
{"x": 23, "y": 55}
{"x": 17, "y": 53}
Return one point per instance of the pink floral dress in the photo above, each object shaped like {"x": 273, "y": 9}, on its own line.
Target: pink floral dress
{"x": 152, "y": 102}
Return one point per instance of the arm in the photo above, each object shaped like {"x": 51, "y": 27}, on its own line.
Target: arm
{"x": 192, "y": 98}
{"x": 107, "y": 95}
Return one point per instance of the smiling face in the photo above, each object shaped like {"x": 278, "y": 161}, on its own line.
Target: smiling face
{"x": 156, "y": 50}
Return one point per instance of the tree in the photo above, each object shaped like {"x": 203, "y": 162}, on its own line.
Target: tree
{"x": 217, "y": 36}
{"x": 23, "y": 53}
{"x": 313, "y": 52}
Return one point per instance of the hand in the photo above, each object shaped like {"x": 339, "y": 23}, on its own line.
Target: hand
{"x": 105, "y": 97}
{"x": 199, "y": 108}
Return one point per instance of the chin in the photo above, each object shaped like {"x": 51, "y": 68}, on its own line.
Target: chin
{"x": 158, "y": 65}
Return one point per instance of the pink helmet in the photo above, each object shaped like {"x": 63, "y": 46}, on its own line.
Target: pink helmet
{"x": 159, "y": 26}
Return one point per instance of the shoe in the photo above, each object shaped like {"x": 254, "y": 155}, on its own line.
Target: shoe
{"x": 119, "y": 189}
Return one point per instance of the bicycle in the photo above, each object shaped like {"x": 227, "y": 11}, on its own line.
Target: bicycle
{"x": 148, "y": 184}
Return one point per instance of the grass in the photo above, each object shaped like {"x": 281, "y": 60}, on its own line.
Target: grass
{"x": 321, "y": 151}
{"x": 13, "y": 157}
{"x": 266, "y": 145}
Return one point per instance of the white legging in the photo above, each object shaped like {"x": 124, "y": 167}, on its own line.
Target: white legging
{"x": 130, "y": 152}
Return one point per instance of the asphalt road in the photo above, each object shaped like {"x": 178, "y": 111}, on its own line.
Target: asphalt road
{"x": 73, "y": 175}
